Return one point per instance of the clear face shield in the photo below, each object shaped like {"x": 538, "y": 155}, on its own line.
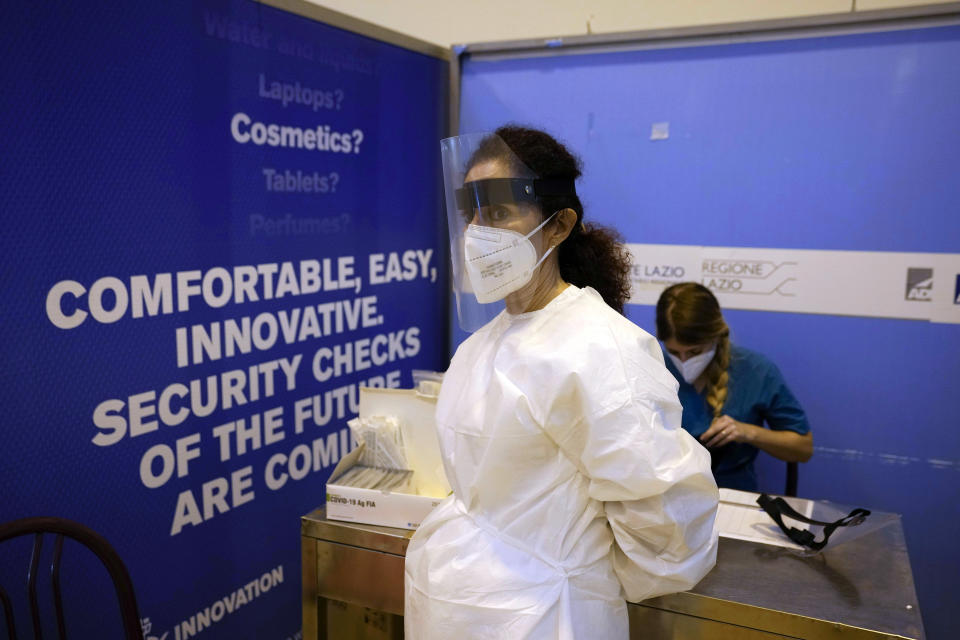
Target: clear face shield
{"x": 495, "y": 222}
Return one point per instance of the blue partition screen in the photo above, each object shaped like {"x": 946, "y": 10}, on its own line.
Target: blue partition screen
{"x": 220, "y": 219}
{"x": 829, "y": 142}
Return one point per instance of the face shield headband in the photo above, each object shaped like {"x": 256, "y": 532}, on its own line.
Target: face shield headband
{"x": 494, "y": 191}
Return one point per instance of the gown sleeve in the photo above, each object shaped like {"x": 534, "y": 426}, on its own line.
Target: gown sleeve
{"x": 654, "y": 479}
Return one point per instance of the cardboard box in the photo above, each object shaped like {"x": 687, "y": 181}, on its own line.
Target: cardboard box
{"x": 415, "y": 411}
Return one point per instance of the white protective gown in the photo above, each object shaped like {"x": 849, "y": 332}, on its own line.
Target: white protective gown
{"x": 573, "y": 484}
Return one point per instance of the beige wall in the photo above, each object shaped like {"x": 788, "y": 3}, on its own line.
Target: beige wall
{"x": 447, "y": 22}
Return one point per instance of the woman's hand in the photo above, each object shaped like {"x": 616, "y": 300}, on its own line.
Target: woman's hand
{"x": 724, "y": 430}
{"x": 786, "y": 445}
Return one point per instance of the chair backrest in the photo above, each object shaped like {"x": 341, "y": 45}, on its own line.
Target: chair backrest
{"x": 93, "y": 541}
{"x": 791, "y": 488}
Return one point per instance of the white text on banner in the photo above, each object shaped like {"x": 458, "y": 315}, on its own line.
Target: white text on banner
{"x": 879, "y": 284}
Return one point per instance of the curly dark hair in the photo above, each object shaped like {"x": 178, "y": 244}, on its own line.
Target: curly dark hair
{"x": 592, "y": 255}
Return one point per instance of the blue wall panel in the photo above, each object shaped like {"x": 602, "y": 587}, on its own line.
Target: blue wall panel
{"x": 845, "y": 142}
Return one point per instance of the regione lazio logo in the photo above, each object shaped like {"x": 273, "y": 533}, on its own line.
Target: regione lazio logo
{"x": 920, "y": 284}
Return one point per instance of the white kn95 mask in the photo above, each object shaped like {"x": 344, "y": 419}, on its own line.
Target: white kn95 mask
{"x": 499, "y": 261}
{"x": 694, "y": 366}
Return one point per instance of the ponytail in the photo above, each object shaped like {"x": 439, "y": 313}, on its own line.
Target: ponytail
{"x": 594, "y": 256}
{"x": 718, "y": 375}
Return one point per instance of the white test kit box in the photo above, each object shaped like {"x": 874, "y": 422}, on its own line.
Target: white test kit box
{"x": 415, "y": 413}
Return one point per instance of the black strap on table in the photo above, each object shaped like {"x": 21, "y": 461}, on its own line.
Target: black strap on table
{"x": 776, "y": 508}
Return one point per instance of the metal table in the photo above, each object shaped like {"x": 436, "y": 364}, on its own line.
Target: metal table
{"x": 861, "y": 589}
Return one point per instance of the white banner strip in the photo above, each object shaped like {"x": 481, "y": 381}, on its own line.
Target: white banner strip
{"x": 877, "y": 284}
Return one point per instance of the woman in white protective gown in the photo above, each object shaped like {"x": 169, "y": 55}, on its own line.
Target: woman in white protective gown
{"x": 574, "y": 487}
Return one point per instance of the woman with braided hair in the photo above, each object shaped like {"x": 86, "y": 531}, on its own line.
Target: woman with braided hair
{"x": 728, "y": 392}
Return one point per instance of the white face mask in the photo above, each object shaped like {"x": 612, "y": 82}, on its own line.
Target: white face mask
{"x": 692, "y": 367}
{"x": 499, "y": 261}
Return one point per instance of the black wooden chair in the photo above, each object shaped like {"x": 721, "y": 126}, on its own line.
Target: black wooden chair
{"x": 791, "y": 488}
{"x": 93, "y": 541}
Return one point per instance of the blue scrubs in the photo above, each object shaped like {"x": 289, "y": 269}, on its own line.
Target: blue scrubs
{"x": 756, "y": 394}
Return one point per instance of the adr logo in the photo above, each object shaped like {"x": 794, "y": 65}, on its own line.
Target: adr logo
{"x": 919, "y": 284}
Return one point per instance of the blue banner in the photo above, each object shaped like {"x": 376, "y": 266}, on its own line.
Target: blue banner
{"x": 220, "y": 220}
